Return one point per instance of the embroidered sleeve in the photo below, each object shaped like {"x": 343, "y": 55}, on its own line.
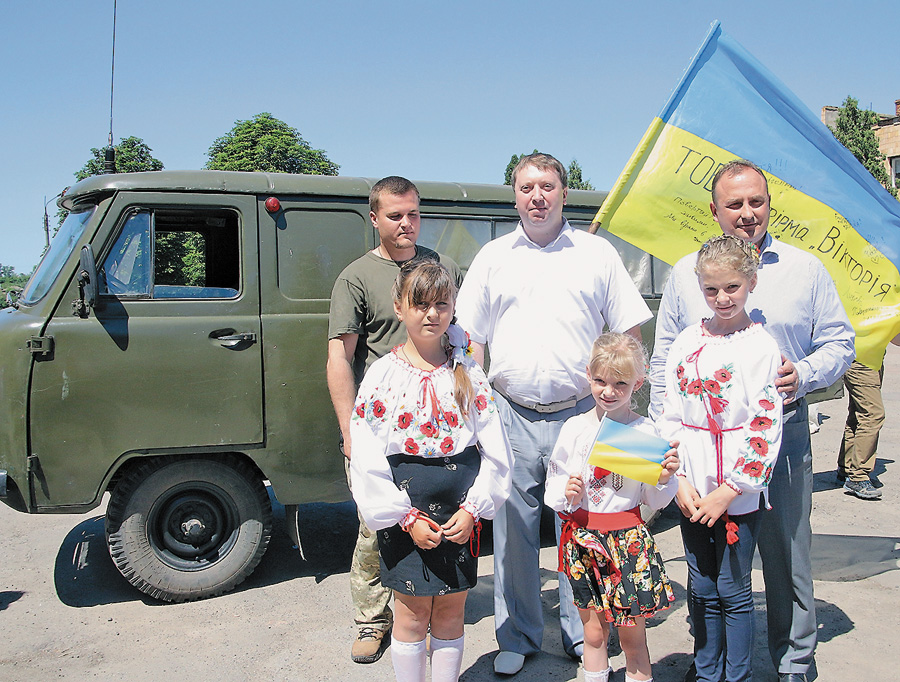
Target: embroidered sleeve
{"x": 377, "y": 497}
{"x": 761, "y": 436}
{"x": 558, "y": 469}
{"x": 494, "y": 480}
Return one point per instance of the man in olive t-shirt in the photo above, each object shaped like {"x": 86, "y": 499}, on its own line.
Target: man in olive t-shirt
{"x": 362, "y": 327}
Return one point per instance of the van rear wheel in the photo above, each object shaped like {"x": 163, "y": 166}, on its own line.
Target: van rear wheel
{"x": 185, "y": 529}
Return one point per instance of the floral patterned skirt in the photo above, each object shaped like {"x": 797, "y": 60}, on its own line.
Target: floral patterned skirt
{"x": 618, "y": 572}
{"x": 436, "y": 486}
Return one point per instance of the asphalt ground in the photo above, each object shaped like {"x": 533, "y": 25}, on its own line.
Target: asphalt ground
{"x": 67, "y": 614}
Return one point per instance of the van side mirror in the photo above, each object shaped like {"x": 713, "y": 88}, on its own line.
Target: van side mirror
{"x": 87, "y": 283}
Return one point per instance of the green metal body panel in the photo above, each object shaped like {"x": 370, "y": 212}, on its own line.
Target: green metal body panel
{"x": 140, "y": 377}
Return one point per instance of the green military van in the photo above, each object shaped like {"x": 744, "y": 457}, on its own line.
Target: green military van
{"x": 170, "y": 350}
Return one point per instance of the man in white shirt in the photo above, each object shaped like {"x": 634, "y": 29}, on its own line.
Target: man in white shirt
{"x": 538, "y": 298}
{"x": 796, "y": 301}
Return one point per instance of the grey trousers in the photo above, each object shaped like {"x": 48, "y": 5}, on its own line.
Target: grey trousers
{"x": 518, "y": 615}
{"x": 785, "y": 537}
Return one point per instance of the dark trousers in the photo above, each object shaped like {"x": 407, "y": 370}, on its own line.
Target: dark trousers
{"x": 721, "y": 597}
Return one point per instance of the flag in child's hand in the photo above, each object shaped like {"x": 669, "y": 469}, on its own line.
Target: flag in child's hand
{"x": 629, "y": 452}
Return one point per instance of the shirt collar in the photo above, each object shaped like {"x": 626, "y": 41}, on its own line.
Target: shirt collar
{"x": 564, "y": 236}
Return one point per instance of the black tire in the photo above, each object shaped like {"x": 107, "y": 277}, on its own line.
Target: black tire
{"x": 191, "y": 528}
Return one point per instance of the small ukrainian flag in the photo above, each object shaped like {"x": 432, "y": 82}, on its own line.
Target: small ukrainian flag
{"x": 629, "y": 452}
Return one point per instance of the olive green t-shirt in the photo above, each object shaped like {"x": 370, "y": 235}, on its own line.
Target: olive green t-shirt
{"x": 361, "y": 304}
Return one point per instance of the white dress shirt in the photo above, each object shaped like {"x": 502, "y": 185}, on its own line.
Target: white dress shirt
{"x": 540, "y": 309}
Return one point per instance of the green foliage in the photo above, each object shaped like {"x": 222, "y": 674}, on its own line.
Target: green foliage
{"x": 10, "y": 280}
{"x": 266, "y": 144}
{"x": 853, "y": 129}
{"x": 132, "y": 156}
{"x": 574, "y": 180}
{"x": 180, "y": 259}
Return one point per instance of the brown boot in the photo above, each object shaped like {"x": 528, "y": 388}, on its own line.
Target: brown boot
{"x": 370, "y": 643}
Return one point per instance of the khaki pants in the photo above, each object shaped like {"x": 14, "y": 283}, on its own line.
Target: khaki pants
{"x": 864, "y": 419}
{"x": 370, "y": 598}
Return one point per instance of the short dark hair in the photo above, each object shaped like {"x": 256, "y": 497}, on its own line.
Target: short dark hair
{"x": 736, "y": 167}
{"x": 544, "y": 162}
{"x": 392, "y": 184}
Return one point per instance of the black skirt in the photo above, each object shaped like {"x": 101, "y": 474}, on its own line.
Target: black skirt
{"x": 435, "y": 486}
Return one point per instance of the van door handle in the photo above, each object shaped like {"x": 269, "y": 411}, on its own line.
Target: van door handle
{"x": 233, "y": 340}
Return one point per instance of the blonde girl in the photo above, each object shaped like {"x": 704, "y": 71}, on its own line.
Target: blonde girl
{"x": 430, "y": 460}
{"x": 721, "y": 403}
{"x": 607, "y": 552}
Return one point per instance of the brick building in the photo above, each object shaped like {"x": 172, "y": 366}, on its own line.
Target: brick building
{"x": 887, "y": 130}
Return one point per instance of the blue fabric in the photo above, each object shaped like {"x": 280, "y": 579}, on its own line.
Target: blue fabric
{"x": 728, "y": 98}
{"x": 721, "y": 597}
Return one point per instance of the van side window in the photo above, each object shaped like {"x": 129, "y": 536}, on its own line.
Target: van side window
{"x": 174, "y": 253}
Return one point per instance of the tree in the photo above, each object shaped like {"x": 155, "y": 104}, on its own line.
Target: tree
{"x": 574, "y": 179}
{"x": 268, "y": 145}
{"x": 10, "y": 280}
{"x": 853, "y": 129}
{"x": 132, "y": 156}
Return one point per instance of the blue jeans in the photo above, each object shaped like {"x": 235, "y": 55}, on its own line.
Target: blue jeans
{"x": 721, "y": 597}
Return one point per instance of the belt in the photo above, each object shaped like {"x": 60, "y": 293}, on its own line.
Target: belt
{"x": 792, "y": 406}
{"x": 544, "y": 408}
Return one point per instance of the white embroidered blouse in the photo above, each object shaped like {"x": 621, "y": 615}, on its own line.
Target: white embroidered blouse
{"x": 721, "y": 403}
{"x": 402, "y": 409}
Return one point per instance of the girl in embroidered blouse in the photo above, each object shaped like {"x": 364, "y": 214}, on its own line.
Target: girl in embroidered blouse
{"x": 615, "y": 570}
{"x": 430, "y": 460}
{"x": 721, "y": 403}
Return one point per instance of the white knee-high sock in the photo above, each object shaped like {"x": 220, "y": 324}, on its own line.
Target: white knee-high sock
{"x": 446, "y": 658}
{"x": 631, "y": 679}
{"x": 602, "y": 676}
{"x": 409, "y": 660}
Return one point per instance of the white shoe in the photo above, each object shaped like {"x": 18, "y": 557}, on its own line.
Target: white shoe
{"x": 508, "y": 663}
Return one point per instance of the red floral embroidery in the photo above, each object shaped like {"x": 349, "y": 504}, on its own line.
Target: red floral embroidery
{"x": 411, "y": 446}
{"x": 680, "y": 371}
{"x": 634, "y": 548}
{"x": 722, "y": 374}
{"x": 766, "y": 404}
{"x": 739, "y": 463}
{"x": 361, "y": 410}
{"x": 760, "y": 423}
{"x": 405, "y": 420}
{"x": 480, "y": 402}
{"x": 447, "y": 445}
{"x": 695, "y": 387}
{"x": 759, "y": 445}
{"x": 754, "y": 469}
{"x": 712, "y": 387}
{"x": 682, "y": 386}
{"x": 452, "y": 419}
{"x": 428, "y": 429}
{"x": 600, "y": 472}
{"x": 378, "y": 409}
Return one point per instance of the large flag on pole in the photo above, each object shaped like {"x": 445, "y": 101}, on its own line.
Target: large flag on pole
{"x": 729, "y": 106}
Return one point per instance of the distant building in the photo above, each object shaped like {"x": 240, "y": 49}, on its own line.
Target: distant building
{"x": 887, "y": 130}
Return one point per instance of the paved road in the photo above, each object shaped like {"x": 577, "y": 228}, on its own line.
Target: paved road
{"x": 66, "y": 614}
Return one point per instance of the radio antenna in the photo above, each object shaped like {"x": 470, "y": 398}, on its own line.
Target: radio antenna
{"x": 109, "y": 162}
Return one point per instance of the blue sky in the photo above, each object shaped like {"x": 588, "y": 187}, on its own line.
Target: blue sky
{"x": 433, "y": 91}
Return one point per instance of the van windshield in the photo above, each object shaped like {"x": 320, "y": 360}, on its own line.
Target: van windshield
{"x": 60, "y": 249}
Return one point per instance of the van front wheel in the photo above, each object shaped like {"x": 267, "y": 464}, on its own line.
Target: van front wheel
{"x": 185, "y": 529}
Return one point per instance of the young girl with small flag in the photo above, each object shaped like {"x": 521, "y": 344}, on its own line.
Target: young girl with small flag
{"x": 721, "y": 403}
{"x": 607, "y": 552}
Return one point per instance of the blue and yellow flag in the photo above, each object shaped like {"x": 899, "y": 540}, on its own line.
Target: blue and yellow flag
{"x": 627, "y": 451}
{"x": 729, "y": 106}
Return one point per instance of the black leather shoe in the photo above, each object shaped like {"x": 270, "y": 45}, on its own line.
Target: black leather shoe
{"x": 791, "y": 677}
